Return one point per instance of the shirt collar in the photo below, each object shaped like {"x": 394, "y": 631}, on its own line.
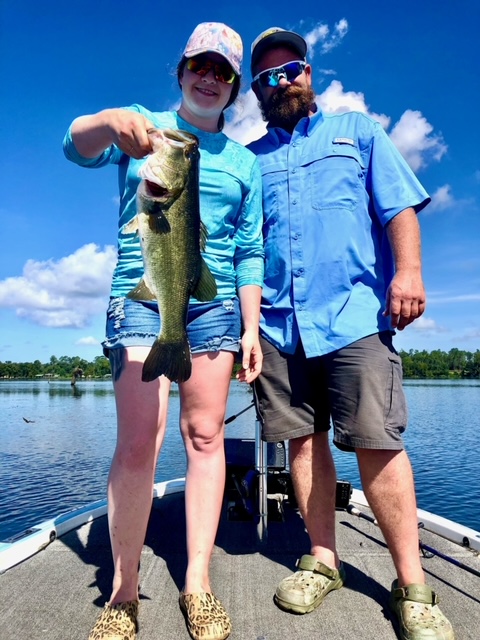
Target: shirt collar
{"x": 305, "y": 127}
{"x": 314, "y": 122}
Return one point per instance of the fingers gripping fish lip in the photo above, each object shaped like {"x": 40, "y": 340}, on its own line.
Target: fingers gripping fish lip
{"x": 160, "y": 169}
{"x": 175, "y": 138}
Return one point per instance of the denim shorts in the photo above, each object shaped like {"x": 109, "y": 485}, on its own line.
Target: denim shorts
{"x": 211, "y": 326}
{"x": 358, "y": 388}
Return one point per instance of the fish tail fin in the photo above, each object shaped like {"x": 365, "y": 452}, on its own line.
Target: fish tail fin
{"x": 206, "y": 287}
{"x": 170, "y": 359}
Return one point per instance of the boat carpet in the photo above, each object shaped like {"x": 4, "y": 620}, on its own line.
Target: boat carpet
{"x": 57, "y": 594}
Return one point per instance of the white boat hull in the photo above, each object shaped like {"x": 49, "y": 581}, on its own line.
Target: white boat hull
{"x": 27, "y": 543}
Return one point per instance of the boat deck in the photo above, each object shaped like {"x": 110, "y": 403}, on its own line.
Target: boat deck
{"x": 57, "y": 594}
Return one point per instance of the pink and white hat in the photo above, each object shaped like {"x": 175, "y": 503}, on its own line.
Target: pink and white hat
{"x": 218, "y": 38}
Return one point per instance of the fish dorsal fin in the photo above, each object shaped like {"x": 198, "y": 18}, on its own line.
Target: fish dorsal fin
{"x": 159, "y": 223}
{"x": 206, "y": 288}
{"x": 203, "y": 236}
{"x": 141, "y": 292}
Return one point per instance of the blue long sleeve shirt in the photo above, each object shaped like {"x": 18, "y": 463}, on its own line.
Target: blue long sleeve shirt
{"x": 230, "y": 207}
{"x": 329, "y": 190}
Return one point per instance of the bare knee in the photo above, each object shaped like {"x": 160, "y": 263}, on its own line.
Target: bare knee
{"x": 203, "y": 437}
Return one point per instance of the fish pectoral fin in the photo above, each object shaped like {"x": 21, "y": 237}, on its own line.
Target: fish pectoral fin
{"x": 206, "y": 288}
{"x": 131, "y": 226}
{"x": 159, "y": 223}
{"x": 141, "y": 292}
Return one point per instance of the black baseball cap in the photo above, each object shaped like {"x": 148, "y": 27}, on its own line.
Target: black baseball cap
{"x": 275, "y": 36}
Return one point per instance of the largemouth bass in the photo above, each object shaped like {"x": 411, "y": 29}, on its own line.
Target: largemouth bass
{"x": 172, "y": 237}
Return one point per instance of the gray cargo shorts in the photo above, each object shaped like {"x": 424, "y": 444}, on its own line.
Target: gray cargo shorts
{"x": 358, "y": 388}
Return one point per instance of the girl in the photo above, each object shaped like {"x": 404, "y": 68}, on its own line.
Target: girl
{"x": 230, "y": 203}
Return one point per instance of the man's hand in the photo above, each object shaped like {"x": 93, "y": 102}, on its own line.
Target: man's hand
{"x": 405, "y": 298}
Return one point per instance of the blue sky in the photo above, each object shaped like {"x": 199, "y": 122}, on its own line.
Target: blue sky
{"x": 414, "y": 66}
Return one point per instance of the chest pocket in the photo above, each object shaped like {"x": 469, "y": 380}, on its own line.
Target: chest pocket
{"x": 275, "y": 187}
{"x": 336, "y": 177}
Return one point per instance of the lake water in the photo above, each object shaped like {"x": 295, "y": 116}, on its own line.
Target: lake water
{"x": 60, "y": 461}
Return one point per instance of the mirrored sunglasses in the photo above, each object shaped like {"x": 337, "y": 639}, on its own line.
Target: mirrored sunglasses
{"x": 271, "y": 77}
{"x": 201, "y": 65}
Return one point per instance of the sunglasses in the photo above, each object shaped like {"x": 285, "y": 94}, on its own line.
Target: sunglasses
{"x": 272, "y": 77}
{"x": 201, "y": 65}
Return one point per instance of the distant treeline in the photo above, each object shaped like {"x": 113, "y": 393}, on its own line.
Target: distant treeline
{"x": 416, "y": 364}
{"x": 63, "y": 367}
{"x": 439, "y": 364}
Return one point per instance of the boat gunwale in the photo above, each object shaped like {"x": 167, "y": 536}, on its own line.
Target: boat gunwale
{"x": 28, "y": 542}
{"x": 20, "y": 547}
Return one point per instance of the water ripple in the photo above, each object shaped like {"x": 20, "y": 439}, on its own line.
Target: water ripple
{"x": 61, "y": 460}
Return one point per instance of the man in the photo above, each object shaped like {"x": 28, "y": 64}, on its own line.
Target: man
{"x": 342, "y": 272}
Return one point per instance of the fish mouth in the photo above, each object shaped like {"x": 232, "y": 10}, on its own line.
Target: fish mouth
{"x": 156, "y": 190}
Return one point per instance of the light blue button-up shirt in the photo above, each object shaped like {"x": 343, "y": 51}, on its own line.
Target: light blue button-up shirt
{"x": 329, "y": 190}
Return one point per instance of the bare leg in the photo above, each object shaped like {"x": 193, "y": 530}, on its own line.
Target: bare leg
{"x": 387, "y": 481}
{"x": 141, "y": 421}
{"x": 314, "y": 480}
{"x": 203, "y": 400}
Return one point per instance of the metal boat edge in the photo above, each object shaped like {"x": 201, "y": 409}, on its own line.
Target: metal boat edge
{"x": 30, "y": 541}
{"x": 448, "y": 529}
{"x": 27, "y": 543}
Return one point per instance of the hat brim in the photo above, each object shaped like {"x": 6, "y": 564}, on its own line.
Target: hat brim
{"x": 278, "y": 38}
{"x": 196, "y": 52}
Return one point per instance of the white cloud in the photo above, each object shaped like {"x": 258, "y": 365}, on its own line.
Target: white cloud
{"x": 328, "y": 40}
{"x": 462, "y": 297}
{"x": 442, "y": 199}
{"x": 412, "y": 137}
{"x": 88, "y": 341}
{"x": 63, "y": 293}
{"x": 472, "y": 334}
{"x": 318, "y": 34}
{"x": 245, "y": 122}
{"x": 427, "y": 326}
{"x": 335, "y": 100}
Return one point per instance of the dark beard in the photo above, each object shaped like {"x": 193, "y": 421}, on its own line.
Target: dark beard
{"x": 287, "y": 107}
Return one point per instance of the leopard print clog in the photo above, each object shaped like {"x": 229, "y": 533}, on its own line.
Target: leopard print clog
{"x": 205, "y": 616}
{"x": 118, "y": 621}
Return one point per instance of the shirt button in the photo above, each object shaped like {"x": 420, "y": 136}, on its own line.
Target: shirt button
{"x": 294, "y": 171}
{"x": 294, "y": 202}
